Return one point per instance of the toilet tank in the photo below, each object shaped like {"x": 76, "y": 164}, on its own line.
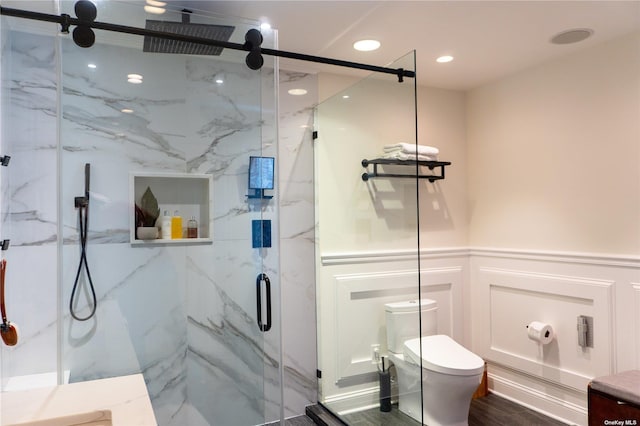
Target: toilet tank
{"x": 403, "y": 319}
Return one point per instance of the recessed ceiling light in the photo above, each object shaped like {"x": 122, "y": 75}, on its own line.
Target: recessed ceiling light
{"x": 297, "y": 92}
{"x": 345, "y": 96}
{"x": 134, "y": 78}
{"x": 572, "y": 36}
{"x": 444, "y": 59}
{"x": 156, "y": 3}
{"x": 219, "y": 81}
{"x": 366, "y": 45}
{"x": 92, "y": 66}
{"x": 154, "y": 10}
{"x": 126, "y": 110}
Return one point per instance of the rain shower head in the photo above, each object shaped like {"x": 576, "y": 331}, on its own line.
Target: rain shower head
{"x": 207, "y": 31}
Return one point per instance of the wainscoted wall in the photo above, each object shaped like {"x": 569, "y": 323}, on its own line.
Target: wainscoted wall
{"x": 561, "y": 240}
{"x": 505, "y": 290}
{"x": 512, "y": 288}
{"x": 352, "y": 292}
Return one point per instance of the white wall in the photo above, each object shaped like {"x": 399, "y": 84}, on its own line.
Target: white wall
{"x": 441, "y": 123}
{"x": 443, "y": 205}
{"x": 554, "y": 155}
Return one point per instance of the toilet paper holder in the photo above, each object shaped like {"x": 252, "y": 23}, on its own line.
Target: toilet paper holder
{"x": 540, "y": 332}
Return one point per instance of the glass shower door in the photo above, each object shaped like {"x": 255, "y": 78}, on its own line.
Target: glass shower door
{"x": 367, "y": 252}
{"x": 183, "y": 312}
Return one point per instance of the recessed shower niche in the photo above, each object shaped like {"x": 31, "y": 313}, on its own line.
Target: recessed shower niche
{"x": 178, "y": 194}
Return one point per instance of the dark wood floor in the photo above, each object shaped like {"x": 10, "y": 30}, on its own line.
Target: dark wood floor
{"x": 494, "y": 410}
{"x": 489, "y": 410}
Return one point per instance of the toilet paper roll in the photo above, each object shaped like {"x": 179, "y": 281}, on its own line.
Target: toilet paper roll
{"x": 540, "y": 332}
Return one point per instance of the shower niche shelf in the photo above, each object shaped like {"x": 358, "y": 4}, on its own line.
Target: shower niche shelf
{"x": 387, "y": 161}
{"x": 189, "y": 194}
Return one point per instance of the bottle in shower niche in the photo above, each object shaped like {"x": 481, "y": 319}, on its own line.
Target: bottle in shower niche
{"x": 165, "y": 225}
{"x": 176, "y": 226}
{"x": 192, "y": 228}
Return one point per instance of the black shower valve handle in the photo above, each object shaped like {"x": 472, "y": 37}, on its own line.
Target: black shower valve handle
{"x": 84, "y": 201}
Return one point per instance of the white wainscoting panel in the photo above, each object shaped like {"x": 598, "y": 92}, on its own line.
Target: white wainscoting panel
{"x": 509, "y": 289}
{"x": 487, "y": 296}
{"x": 352, "y": 292}
{"x": 361, "y": 321}
{"x": 513, "y": 299}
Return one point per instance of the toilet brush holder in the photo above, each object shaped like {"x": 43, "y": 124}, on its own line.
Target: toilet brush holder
{"x": 385, "y": 388}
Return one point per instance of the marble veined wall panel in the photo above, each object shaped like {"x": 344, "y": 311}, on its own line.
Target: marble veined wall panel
{"x": 148, "y": 136}
{"x": 29, "y": 213}
{"x": 226, "y": 359}
{"x": 148, "y": 298}
{"x": 119, "y": 128}
{"x": 182, "y": 121}
{"x": 30, "y": 137}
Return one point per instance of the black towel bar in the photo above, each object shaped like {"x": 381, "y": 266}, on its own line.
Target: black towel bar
{"x": 430, "y": 164}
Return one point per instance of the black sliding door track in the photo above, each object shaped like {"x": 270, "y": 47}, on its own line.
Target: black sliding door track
{"x": 251, "y": 46}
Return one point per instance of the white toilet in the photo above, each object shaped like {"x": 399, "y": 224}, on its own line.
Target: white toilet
{"x": 450, "y": 373}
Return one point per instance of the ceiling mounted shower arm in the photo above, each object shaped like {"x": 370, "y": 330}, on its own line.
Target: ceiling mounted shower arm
{"x": 84, "y": 37}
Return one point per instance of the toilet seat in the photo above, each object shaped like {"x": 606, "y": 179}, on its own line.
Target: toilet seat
{"x": 444, "y": 355}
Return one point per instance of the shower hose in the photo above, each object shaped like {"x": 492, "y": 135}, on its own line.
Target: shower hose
{"x": 84, "y": 226}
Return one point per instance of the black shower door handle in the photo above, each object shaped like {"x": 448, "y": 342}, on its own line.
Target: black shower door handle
{"x": 263, "y": 277}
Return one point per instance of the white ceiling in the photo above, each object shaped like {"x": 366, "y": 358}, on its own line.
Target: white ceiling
{"x": 489, "y": 39}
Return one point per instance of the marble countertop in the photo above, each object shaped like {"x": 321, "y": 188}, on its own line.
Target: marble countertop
{"x": 117, "y": 401}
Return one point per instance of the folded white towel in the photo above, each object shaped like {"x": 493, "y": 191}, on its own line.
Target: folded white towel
{"x": 400, "y": 155}
{"x": 410, "y": 148}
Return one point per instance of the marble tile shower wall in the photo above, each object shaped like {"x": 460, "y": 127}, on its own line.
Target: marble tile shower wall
{"x": 29, "y": 212}
{"x": 183, "y": 315}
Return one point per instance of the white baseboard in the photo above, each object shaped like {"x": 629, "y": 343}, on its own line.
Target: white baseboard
{"x": 352, "y": 402}
{"x": 537, "y": 400}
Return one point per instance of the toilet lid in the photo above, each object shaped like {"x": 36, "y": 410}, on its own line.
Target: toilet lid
{"x": 410, "y": 305}
{"x": 443, "y": 354}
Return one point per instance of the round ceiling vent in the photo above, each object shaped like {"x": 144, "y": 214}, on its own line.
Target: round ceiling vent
{"x": 572, "y": 36}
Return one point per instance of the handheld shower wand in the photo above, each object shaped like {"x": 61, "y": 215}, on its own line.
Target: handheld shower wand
{"x": 82, "y": 204}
